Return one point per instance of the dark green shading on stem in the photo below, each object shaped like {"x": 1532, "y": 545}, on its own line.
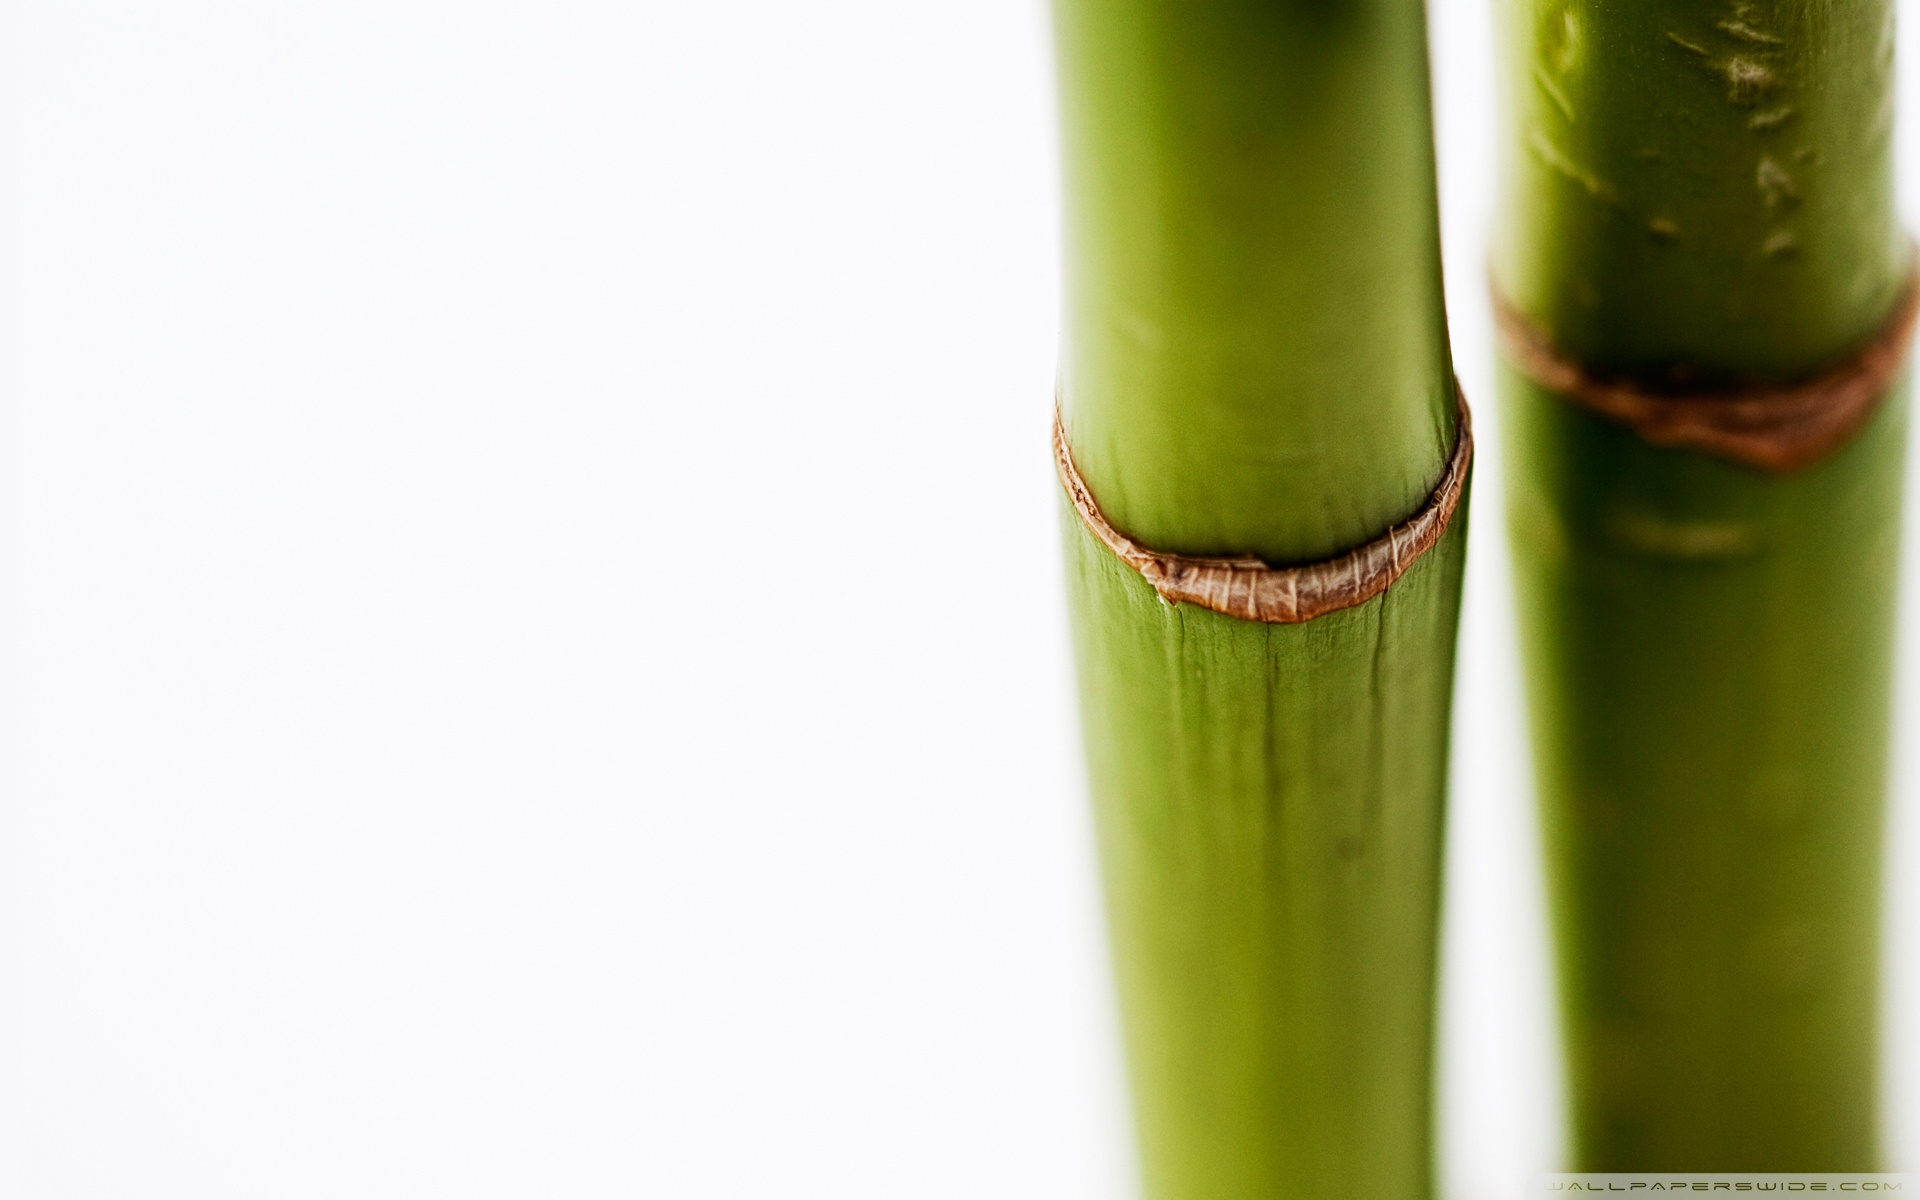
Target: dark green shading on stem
{"x": 1704, "y": 190}
{"x": 1700, "y": 184}
{"x": 1255, "y": 361}
{"x": 1709, "y": 659}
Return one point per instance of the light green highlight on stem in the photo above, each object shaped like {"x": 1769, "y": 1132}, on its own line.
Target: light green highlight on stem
{"x": 1255, "y": 353}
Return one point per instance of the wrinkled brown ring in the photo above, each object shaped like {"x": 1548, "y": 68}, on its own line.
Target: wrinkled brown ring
{"x": 1774, "y": 427}
{"x": 1253, "y": 590}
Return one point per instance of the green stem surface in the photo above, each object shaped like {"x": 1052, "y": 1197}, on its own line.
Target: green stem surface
{"x": 1255, "y": 362}
{"x": 1703, "y": 191}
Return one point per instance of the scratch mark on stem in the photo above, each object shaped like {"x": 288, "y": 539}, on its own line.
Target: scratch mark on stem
{"x": 1780, "y": 244}
{"x": 1748, "y": 33}
{"x": 1775, "y": 184}
{"x": 1557, "y": 159}
{"x": 1747, "y": 80}
{"x": 1553, "y": 92}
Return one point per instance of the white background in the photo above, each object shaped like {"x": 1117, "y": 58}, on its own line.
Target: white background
{"x": 543, "y": 662}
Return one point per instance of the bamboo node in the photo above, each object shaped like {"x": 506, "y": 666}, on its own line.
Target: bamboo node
{"x": 1254, "y": 590}
{"x": 1776, "y": 427}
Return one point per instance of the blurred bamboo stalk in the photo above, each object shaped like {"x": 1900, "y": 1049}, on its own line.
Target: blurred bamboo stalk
{"x": 1700, "y": 195}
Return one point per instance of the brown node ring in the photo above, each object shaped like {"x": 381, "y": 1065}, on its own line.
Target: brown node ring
{"x": 1777, "y": 427}
{"x": 1254, "y": 590}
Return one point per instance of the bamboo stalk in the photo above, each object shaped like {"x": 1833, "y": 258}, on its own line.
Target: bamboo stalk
{"x": 1255, "y": 362}
{"x": 1700, "y": 193}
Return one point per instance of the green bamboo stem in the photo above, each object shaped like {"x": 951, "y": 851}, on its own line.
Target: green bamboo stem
{"x": 1704, "y": 190}
{"x": 1255, "y": 361}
